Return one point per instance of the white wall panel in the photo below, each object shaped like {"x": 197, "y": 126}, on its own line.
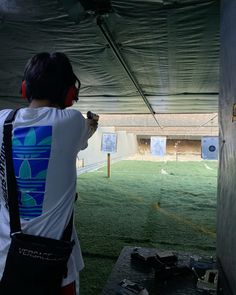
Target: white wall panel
{"x": 93, "y": 156}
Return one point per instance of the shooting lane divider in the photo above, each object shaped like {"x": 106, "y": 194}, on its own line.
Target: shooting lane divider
{"x": 181, "y": 219}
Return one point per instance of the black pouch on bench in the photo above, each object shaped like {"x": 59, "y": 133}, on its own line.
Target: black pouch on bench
{"x": 35, "y": 265}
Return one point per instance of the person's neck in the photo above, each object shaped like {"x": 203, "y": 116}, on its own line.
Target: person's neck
{"x": 39, "y": 103}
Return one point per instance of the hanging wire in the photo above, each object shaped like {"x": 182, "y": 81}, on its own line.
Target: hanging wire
{"x": 211, "y": 119}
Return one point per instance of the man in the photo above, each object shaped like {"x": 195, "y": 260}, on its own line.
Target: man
{"x": 46, "y": 139}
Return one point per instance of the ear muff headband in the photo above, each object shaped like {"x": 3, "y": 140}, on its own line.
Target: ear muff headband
{"x": 24, "y": 91}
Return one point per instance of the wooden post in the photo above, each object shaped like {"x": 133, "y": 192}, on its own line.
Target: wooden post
{"x": 176, "y": 155}
{"x": 108, "y": 165}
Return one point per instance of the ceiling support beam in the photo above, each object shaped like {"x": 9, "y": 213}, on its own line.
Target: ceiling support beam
{"x": 108, "y": 36}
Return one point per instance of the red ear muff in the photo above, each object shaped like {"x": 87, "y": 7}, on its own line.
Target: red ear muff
{"x": 71, "y": 96}
{"x": 24, "y": 89}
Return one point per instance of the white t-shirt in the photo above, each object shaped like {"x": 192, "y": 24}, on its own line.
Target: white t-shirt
{"x": 45, "y": 145}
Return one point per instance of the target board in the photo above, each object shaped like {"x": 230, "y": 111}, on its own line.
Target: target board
{"x": 210, "y": 146}
{"x": 109, "y": 142}
{"x": 158, "y": 146}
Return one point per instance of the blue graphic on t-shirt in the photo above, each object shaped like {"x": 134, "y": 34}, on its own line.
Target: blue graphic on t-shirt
{"x": 31, "y": 147}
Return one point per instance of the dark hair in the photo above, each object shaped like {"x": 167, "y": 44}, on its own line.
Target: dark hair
{"x": 49, "y": 76}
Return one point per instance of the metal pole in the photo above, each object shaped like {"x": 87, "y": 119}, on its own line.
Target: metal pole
{"x": 106, "y": 33}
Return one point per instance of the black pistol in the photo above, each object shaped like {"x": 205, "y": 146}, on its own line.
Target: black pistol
{"x": 92, "y": 116}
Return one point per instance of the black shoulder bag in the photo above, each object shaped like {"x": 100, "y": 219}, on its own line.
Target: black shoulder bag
{"x": 35, "y": 265}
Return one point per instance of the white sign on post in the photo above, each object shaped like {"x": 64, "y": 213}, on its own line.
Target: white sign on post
{"x": 109, "y": 142}
{"x": 158, "y": 146}
{"x": 210, "y": 146}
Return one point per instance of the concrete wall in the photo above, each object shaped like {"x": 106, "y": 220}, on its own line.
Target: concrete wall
{"x": 93, "y": 157}
{"x": 226, "y": 212}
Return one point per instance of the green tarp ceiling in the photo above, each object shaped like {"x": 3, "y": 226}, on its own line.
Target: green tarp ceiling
{"x": 165, "y": 57}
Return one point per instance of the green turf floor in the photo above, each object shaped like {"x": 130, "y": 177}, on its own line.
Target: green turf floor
{"x": 168, "y": 205}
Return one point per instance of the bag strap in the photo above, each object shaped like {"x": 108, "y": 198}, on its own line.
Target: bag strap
{"x": 66, "y": 236}
{"x": 11, "y": 180}
{"x": 13, "y": 205}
